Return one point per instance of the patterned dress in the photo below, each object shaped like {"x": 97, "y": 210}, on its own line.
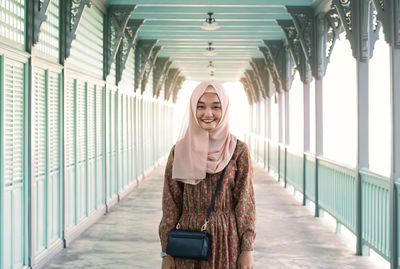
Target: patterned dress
{"x": 232, "y": 222}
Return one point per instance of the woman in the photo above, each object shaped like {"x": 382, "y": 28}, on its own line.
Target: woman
{"x": 194, "y": 165}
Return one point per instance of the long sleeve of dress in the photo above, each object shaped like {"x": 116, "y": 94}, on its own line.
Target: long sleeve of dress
{"x": 171, "y": 203}
{"x": 243, "y": 195}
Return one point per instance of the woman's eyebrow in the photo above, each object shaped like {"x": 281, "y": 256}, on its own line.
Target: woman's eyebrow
{"x": 217, "y": 102}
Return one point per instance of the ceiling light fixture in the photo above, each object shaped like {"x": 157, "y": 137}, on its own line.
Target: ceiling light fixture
{"x": 210, "y": 24}
{"x": 211, "y": 66}
{"x": 210, "y": 51}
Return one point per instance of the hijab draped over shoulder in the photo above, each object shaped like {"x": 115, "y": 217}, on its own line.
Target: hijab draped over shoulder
{"x": 198, "y": 151}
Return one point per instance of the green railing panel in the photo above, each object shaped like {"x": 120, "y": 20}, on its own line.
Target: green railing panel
{"x": 375, "y": 212}
{"x": 54, "y": 153}
{"x": 120, "y": 160}
{"x": 295, "y": 170}
{"x": 13, "y": 181}
{"x": 91, "y": 148}
{"x": 70, "y": 141}
{"x": 337, "y": 192}
{"x": 310, "y": 176}
{"x": 282, "y": 161}
{"x": 265, "y": 154}
{"x": 49, "y": 32}
{"x": 397, "y": 184}
{"x": 113, "y": 165}
{"x": 100, "y": 169}
{"x": 260, "y": 150}
{"x": 81, "y": 151}
{"x": 274, "y": 154}
{"x": 12, "y": 21}
{"x": 39, "y": 157}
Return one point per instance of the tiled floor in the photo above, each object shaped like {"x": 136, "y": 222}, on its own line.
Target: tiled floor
{"x": 288, "y": 236}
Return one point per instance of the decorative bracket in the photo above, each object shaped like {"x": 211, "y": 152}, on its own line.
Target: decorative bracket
{"x": 149, "y": 67}
{"x": 245, "y": 84}
{"x": 116, "y": 20}
{"x": 270, "y": 63}
{"x": 127, "y": 43}
{"x": 295, "y": 49}
{"x": 252, "y": 86}
{"x": 303, "y": 21}
{"x": 36, "y": 15}
{"x": 361, "y": 31}
{"x": 388, "y": 14}
{"x": 160, "y": 70}
{"x": 335, "y": 27}
{"x": 252, "y": 77}
{"x": 133, "y": 28}
{"x": 169, "y": 82}
{"x": 178, "y": 85}
{"x": 279, "y": 64}
{"x": 143, "y": 54}
{"x": 71, "y": 15}
{"x": 262, "y": 73}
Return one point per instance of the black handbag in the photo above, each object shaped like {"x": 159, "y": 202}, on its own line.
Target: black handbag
{"x": 192, "y": 244}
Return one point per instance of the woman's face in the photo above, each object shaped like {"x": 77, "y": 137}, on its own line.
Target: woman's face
{"x": 208, "y": 111}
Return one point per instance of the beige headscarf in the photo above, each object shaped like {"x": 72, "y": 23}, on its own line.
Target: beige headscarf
{"x": 198, "y": 151}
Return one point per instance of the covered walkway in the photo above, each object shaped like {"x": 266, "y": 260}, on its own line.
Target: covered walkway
{"x": 288, "y": 236}
{"x": 89, "y": 91}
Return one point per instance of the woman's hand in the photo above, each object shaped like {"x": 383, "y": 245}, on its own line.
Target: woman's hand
{"x": 168, "y": 262}
{"x": 245, "y": 260}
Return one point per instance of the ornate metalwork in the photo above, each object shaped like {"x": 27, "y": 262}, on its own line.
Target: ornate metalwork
{"x": 160, "y": 70}
{"x": 177, "y": 87}
{"x": 270, "y": 63}
{"x": 246, "y": 89}
{"x": 334, "y": 28}
{"x": 295, "y": 49}
{"x": 262, "y": 74}
{"x": 252, "y": 90}
{"x": 364, "y": 34}
{"x": 172, "y": 75}
{"x": 36, "y": 15}
{"x": 116, "y": 21}
{"x": 69, "y": 24}
{"x": 133, "y": 28}
{"x": 251, "y": 78}
{"x": 143, "y": 54}
{"x": 387, "y": 15}
{"x": 149, "y": 67}
{"x": 127, "y": 43}
{"x": 303, "y": 20}
{"x": 279, "y": 64}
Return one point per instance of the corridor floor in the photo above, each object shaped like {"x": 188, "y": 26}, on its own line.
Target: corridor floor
{"x": 288, "y": 236}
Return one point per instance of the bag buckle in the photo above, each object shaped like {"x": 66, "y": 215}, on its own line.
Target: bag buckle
{"x": 204, "y": 227}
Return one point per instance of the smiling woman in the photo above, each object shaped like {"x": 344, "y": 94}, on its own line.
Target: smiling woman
{"x": 196, "y": 167}
{"x": 208, "y": 111}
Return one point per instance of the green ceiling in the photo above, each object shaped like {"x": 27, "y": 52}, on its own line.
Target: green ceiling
{"x": 243, "y": 27}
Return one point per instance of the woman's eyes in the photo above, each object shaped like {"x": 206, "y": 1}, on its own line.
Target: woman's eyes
{"x": 203, "y": 107}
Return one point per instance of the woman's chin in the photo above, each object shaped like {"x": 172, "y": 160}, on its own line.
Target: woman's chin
{"x": 207, "y": 127}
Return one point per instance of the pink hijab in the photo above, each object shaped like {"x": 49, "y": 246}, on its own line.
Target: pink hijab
{"x": 198, "y": 151}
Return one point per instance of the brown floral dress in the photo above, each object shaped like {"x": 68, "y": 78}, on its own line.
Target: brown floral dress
{"x": 232, "y": 222}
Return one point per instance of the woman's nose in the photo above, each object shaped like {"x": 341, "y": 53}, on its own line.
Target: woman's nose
{"x": 208, "y": 112}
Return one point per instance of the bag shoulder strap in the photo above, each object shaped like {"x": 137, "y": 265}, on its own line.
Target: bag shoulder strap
{"x": 211, "y": 208}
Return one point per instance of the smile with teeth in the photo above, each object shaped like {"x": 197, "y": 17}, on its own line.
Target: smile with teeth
{"x": 208, "y": 121}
